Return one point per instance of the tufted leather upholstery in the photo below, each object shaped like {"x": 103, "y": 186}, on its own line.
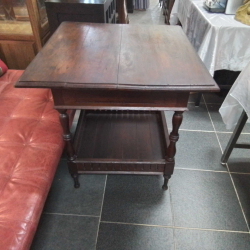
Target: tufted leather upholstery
{"x": 30, "y": 148}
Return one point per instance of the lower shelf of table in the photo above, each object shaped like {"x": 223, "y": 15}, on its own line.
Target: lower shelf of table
{"x": 124, "y": 142}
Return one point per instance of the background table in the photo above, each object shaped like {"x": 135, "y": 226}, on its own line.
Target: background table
{"x": 220, "y": 41}
{"x": 235, "y": 110}
{"x": 237, "y": 99}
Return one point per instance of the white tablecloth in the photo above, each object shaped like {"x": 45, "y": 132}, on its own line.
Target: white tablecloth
{"x": 181, "y": 11}
{"x": 237, "y": 99}
{"x": 220, "y": 41}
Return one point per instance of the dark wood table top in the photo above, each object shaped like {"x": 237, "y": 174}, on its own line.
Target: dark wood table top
{"x": 112, "y": 56}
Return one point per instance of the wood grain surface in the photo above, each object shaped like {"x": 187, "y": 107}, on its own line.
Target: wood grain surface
{"x": 106, "y": 56}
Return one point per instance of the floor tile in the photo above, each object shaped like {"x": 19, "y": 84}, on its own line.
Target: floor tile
{"x": 214, "y": 98}
{"x": 59, "y": 232}
{"x": 207, "y": 240}
{"x": 198, "y": 150}
{"x": 64, "y": 198}
{"x": 193, "y": 97}
{"x": 131, "y": 237}
{"x": 153, "y": 15}
{"x": 196, "y": 118}
{"x": 242, "y": 184}
{"x": 205, "y": 200}
{"x": 218, "y": 122}
{"x": 136, "y": 199}
{"x": 77, "y": 114}
{"x": 239, "y": 160}
{"x": 73, "y": 128}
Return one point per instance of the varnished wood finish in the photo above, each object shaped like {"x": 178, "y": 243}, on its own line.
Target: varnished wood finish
{"x": 120, "y": 99}
{"x": 17, "y": 54}
{"x": 108, "y": 56}
{"x": 35, "y": 22}
{"x": 121, "y": 135}
{"x": 122, "y": 141}
{"x": 21, "y": 41}
{"x": 67, "y": 137}
{"x": 171, "y": 150}
{"x": 137, "y": 70}
{"x": 174, "y": 136}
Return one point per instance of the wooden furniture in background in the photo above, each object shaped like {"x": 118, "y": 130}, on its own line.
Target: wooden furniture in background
{"x": 167, "y": 6}
{"x": 107, "y": 72}
{"x": 121, "y": 9}
{"x": 130, "y": 6}
{"x": 23, "y": 31}
{"x": 96, "y": 11}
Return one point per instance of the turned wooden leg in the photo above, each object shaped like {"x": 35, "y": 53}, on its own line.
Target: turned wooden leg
{"x": 171, "y": 150}
{"x": 76, "y": 181}
{"x": 67, "y": 137}
{"x": 165, "y": 184}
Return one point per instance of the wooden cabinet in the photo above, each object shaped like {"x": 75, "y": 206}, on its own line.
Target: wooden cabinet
{"x": 23, "y": 31}
{"x": 130, "y": 6}
{"x": 95, "y": 11}
{"x": 17, "y": 54}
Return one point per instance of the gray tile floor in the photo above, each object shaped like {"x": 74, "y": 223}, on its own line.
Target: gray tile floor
{"x": 207, "y": 205}
{"x": 153, "y": 15}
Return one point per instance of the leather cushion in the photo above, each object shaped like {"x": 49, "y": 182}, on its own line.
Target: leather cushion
{"x": 30, "y": 148}
{"x": 3, "y": 68}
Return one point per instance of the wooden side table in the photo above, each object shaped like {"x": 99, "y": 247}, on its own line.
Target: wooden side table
{"x": 122, "y": 77}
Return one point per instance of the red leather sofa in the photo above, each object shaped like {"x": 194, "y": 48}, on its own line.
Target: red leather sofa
{"x": 30, "y": 148}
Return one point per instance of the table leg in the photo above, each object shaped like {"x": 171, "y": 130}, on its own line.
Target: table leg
{"x": 233, "y": 139}
{"x": 171, "y": 150}
{"x": 67, "y": 137}
{"x": 198, "y": 100}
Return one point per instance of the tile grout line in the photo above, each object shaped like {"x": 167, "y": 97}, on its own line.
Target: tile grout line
{"x": 176, "y": 227}
{"x": 104, "y": 189}
{"x": 240, "y": 173}
{"x": 173, "y": 216}
{"x": 209, "y": 103}
{"x": 79, "y": 215}
{"x": 213, "y": 230}
{"x": 203, "y": 170}
{"x": 135, "y": 224}
{"x": 213, "y": 171}
{"x": 193, "y": 130}
{"x": 237, "y": 195}
{"x": 209, "y": 131}
{"x": 238, "y": 199}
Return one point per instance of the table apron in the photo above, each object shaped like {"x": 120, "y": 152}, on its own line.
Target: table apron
{"x": 120, "y": 99}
